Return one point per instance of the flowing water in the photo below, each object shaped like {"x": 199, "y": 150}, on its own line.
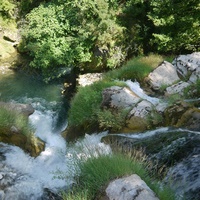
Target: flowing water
{"x": 26, "y": 178}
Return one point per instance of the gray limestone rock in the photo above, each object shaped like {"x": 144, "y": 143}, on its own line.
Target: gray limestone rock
{"x": 164, "y": 74}
{"x": 129, "y": 188}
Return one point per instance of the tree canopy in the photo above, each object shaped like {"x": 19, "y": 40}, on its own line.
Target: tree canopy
{"x": 100, "y": 34}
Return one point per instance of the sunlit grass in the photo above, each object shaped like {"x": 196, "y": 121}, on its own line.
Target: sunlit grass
{"x": 135, "y": 69}
{"x": 86, "y": 103}
{"x": 96, "y": 173}
{"x": 10, "y": 118}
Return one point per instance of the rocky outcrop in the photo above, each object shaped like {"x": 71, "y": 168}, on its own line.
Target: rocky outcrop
{"x": 29, "y": 143}
{"x": 129, "y": 188}
{"x": 16, "y": 133}
{"x": 175, "y": 77}
{"x": 165, "y": 148}
{"x": 164, "y": 75}
{"x": 187, "y": 65}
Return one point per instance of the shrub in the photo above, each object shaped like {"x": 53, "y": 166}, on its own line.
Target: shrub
{"x": 7, "y": 14}
{"x": 113, "y": 121}
{"x": 59, "y": 35}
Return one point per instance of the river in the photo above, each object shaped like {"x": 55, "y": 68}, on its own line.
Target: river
{"x": 26, "y": 178}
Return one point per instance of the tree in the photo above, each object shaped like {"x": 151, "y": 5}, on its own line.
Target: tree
{"x": 63, "y": 34}
{"x": 177, "y": 25}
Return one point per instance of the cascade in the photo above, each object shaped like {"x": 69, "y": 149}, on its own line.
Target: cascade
{"x": 25, "y": 177}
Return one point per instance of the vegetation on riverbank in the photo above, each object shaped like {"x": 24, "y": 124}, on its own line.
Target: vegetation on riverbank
{"x": 10, "y": 119}
{"x": 101, "y": 35}
{"x": 96, "y": 173}
{"x": 85, "y": 109}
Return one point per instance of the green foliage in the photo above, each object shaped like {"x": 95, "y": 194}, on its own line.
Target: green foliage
{"x": 161, "y": 26}
{"x": 7, "y": 12}
{"x": 176, "y": 25}
{"x": 9, "y": 118}
{"x": 6, "y": 9}
{"x": 193, "y": 91}
{"x": 135, "y": 69}
{"x": 113, "y": 121}
{"x": 100, "y": 34}
{"x": 71, "y": 33}
{"x": 86, "y": 104}
{"x": 27, "y": 5}
{"x": 96, "y": 173}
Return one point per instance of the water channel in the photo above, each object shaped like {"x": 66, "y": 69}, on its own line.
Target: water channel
{"x": 23, "y": 177}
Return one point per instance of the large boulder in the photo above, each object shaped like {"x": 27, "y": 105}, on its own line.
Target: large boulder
{"x": 164, "y": 74}
{"x": 129, "y": 188}
{"x": 177, "y": 88}
{"x": 119, "y": 97}
{"x": 187, "y": 64}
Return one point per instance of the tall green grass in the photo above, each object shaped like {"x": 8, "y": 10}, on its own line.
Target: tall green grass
{"x": 9, "y": 118}
{"x": 87, "y": 102}
{"x": 96, "y": 173}
{"x": 135, "y": 69}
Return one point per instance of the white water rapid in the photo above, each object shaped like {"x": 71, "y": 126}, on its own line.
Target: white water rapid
{"x": 135, "y": 87}
{"x": 25, "y": 178}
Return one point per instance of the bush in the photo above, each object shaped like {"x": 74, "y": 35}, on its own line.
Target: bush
{"x": 62, "y": 34}
{"x": 113, "y": 121}
{"x": 7, "y": 14}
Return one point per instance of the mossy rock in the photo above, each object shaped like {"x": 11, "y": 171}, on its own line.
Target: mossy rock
{"x": 174, "y": 113}
{"x": 29, "y": 143}
{"x": 190, "y": 119}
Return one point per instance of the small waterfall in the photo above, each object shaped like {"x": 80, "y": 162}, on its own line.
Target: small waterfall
{"x": 135, "y": 87}
{"x": 23, "y": 177}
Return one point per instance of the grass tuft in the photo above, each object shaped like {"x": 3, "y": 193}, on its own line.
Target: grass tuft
{"x": 97, "y": 172}
{"x": 135, "y": 69}
{"x": 9, "y": 118}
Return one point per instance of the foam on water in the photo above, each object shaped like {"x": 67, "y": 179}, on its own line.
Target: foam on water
{"x": 33, "y": 175}
{"x": 135, "y": 87}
